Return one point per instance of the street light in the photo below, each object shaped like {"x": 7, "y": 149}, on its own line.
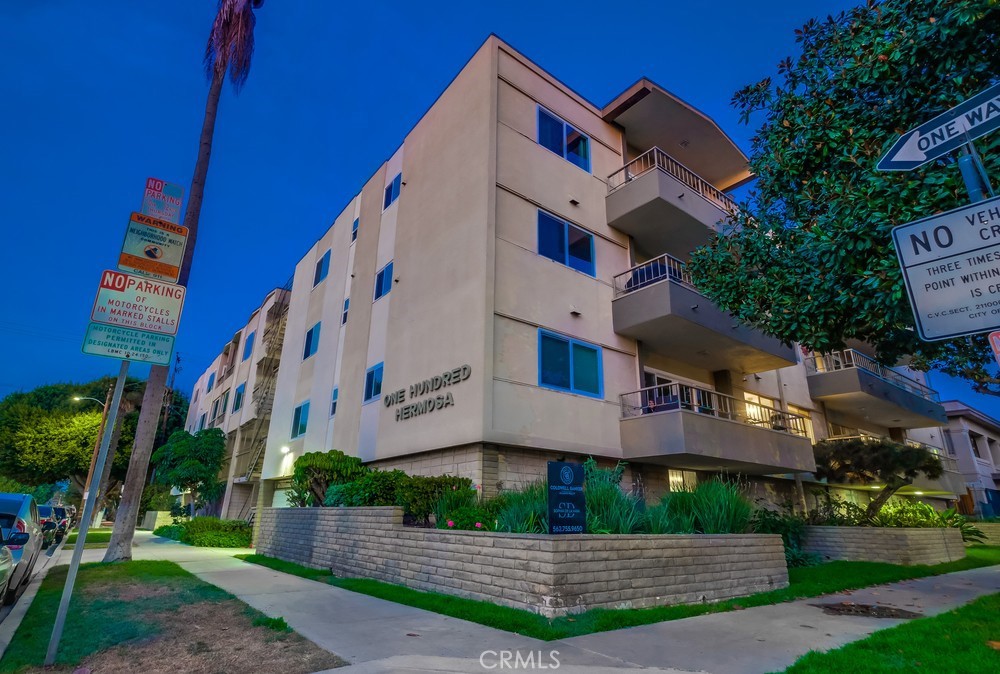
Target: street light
{"x": 79, "y": 398}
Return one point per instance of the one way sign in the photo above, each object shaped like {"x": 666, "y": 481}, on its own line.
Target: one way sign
{"x": 947, "y": 132}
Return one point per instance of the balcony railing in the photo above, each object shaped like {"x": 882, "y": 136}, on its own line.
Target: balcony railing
{"x": 673, "y": 397}
{"x": 849, "y": 358}
{"x": 658, "y": 269}
{"x": 949, "y": 463}
{"x": 660, "y": 160}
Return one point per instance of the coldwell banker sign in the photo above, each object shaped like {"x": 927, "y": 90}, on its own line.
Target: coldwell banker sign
{"x": 567, "y": 504}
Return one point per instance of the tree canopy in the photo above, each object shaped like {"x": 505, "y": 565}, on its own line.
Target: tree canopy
{"x": 808, "y": 257}
{"x": 193, "y": 462}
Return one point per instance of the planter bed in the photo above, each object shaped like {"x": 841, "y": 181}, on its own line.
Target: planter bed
{"x": 895, "y": 545}
{"x": 549, "y": 575}
{"x": 991, "y": 530}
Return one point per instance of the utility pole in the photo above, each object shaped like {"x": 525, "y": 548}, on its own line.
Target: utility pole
{"x": 97, "y": 444}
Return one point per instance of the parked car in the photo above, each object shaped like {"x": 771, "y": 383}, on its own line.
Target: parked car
{"x": 7, "y": 559}
{"x": 45, "y": 516}
{"x": 19, "y": 515}
{"x": 62, "y": 522}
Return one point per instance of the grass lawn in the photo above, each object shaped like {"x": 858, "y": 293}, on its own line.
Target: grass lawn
{"x": 151, "y": 617}
{"x": 96, "y": 538}
{"x": 803, "y": 582}
{"x": 951, "y": 643}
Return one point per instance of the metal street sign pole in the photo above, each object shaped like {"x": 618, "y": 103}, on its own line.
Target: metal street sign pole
{"x": 88, "y": 513}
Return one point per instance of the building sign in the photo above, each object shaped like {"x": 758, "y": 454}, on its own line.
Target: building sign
{"x": 128, "y": 344}
{"x": 162, "y": 200}
{"x": 951, "y": 265}
{"x": 129, "y": 301}
{"x": 153, "y": 248}
{"x": 567, "y": 504}
{"x": 432, "y": 394}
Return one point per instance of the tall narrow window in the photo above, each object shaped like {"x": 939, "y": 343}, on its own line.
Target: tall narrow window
{"x": 570, "y": 365}
{"x": 312, "y": 342}
{"x": 322, "y": 269}
{"x": 224, "y": 404}
{"x": 347, "y": 306}
{"x": 383, "y": 281}
{"x": 562, "y": 138}
{"x": 565, "y": 243}
{"x": 300, "y": 419}
{"x": 333, "y": 401}
{"x": 248, "y": 345}
{"x": 211, "y": 383}
{"x": 373, "y": 383}
{"x": 392, "y": 191}
{"x": 238, "y": 398}
{"x": 354, "y": 230}
{"x": 201, "y": 423}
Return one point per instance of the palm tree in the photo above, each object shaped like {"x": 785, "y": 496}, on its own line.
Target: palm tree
{"x": 229, "y": 50}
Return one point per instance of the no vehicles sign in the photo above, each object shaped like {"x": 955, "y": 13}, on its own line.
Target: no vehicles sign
{"x": 129, "y": 301}
{"x": 951, "y": 265}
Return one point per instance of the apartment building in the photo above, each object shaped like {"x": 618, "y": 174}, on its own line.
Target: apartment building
{"x": 235, "y": 394}
{"x": 509, "y": 288}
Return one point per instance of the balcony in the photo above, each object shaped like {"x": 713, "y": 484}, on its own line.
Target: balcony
{"x": 663, "y": 205}
{"x": 854, "y": 384}
{"x": 686, "y": 427}
{"x": 656, "y": 303}
{"x": 951, "y": 483}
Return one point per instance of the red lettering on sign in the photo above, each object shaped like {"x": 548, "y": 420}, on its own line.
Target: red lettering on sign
{"x": 114, "y": 281}
{"x": 154, "y": 184}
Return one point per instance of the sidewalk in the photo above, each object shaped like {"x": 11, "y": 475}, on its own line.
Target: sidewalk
{"x": 380, "y": 636}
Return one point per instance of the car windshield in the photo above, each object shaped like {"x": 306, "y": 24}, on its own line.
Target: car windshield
{"x": 61, "y": 513}
{"x": 44, "y": 511}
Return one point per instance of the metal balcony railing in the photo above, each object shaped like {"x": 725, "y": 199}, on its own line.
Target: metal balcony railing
{"x": 849, "y": 358}
{"x": 658, "y": 269}
{"x": 673, "y": 397}
{"x": 660, "y": 160}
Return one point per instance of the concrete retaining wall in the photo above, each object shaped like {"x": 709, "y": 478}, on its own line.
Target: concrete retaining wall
{"x": 992, "y": 531}
{"x": 550, "y": 575}
{"x": 154, "y": 519}
{"x": 888, "y": 544}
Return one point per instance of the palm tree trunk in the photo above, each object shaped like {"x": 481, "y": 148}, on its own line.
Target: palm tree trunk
{"x": 120, "y": 547}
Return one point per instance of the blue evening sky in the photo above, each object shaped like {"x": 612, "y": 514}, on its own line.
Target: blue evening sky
{"x": 96, "y": 96}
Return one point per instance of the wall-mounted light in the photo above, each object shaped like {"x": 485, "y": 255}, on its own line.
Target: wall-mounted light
{"x": 286, "y": 449}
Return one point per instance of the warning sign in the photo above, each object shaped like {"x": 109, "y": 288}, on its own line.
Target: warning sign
{"x": 153, "y": 248}
{"x": 129, "y": 301}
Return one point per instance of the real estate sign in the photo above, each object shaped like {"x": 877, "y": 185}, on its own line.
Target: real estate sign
{"x": 153, "y": 248}
{"x": 128, "y": 344}
{"x": 129, "y": 301}
{"x": 951, "y": 266}
{"x": 567, "y": 504}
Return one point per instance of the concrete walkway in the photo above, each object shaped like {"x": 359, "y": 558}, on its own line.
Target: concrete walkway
{"x": 381, "y": 636}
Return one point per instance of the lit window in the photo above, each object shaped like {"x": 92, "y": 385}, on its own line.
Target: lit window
{"x": 333, "y": 401}
{"x": 682, "y": 480}
{"x": 300, "y": 419}
{"x": 312, "y": 341}
{"x": 383, "y": 281}
{"x": 565, "y": 243}
{"x": 392, "y": 191}
{"x": 566, "y": 141}
{"x": 354, "y": 230}
{"x": 569, "y": 365}
{"x": 343, "y": 316}
{"x": 248, "y": 345}
{"x": 803, "y": 412}
{"x": 211, "y": 383}
{"x": 322, "y": 269}
{"x": 373, "y": 383}
{"x": 238, "y": 398}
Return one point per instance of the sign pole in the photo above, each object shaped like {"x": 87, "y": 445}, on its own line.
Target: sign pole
{"x": 88, "y": 513}
{"x": 972, "y": 175}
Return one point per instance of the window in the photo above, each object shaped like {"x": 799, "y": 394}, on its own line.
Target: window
{"x": 373, "y": 383}
{"x": 211, "y": 383}
{"x": 238, "y": 398}
{"x": 682, "y": 480}
{"x": 354, "y": 230}
{"x": 224, "y": 405}
{"x": 569, "y": 143}
{"x": 569, "y": 365}
{"x": 215, "y": 409}
{"x": 343, "y": 316}
{"x": 322, "y": 269}
{"x": 201, "y": 422}
{"x": 383, "y": 281}
{"x": 333, "y": 401}
{"x": 392, "y": 191}
{"x": 565, "y": 243}
{"x": 248, "y": 345}
{"x": 312, "y": 342}
{"x": 300, "y": 419}
{"x": 803, "y": 412}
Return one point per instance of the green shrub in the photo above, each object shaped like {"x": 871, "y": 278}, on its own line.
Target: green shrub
{"x": 970, "y": 533}
{"x": 524, "y": 511}
{"x": 314, "y": 472}
{"x": 420, "y": 494}
{"x": 837, "y": 513}
{"x": 209, "y": 532}
{"x": 276, "y": 624}
{"x": 155, "y": 497}
{"x": 796, "y": 557}
{"x": 219, "y": 539}
{"x": 375, "y": 488}
{"x": 335, "y": 495}
{"x": 453, "y": 499}
{"x": 674, "y": 514}
{"x": 721, "y": 508}
{"x": 901, "y": 513}
{"x": 172, "y": 531}
{"x": 477, "y": 517}
{"x": 609, "y": 509}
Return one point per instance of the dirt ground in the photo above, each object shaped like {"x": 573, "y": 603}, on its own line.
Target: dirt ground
{"x": 206, "y": 638}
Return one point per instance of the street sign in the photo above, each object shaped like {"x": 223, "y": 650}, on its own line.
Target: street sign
{"x": 951, "y": 265}
{"x": 994, "y": 338}
{"x": 948, "y": 131}
{"x": 129, "y": 301}
{"x": 162, "y": 200}
{"x": 153, "y": 248}
{"x": 128, "y": 344}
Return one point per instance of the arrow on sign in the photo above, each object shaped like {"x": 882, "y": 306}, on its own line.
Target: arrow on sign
{"x": 945, "y": 133}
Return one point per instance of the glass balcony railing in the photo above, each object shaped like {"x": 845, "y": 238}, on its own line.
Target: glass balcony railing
{"x": 674, "y": 397}
{"x": 849, "y": 358}
{"x": 657, "y": 159}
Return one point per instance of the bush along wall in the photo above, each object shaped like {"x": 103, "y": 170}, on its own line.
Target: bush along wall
{"x": 209, "y": 532}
